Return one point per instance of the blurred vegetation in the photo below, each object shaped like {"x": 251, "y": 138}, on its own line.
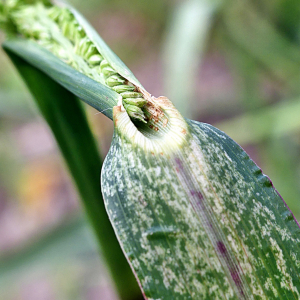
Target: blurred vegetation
{"x": 234, "y": 64}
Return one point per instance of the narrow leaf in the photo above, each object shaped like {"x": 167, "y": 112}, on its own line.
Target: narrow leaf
{"x": 241, "y": 18}
{"x": 67, "y": 120}
{"x": 274, "y": 121}
{"x": 88, "y": 90}
{"x": 183, "y": 49}
{"x": 69, "y": 239}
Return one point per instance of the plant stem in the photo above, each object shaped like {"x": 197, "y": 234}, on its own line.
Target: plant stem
{"x": 66, "y": 118}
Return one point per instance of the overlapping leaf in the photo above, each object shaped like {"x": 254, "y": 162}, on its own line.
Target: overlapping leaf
{"x": 66, "y": 118}
{"x": 195, "y": 216}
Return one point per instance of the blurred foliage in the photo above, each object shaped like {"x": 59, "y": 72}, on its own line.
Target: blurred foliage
{"x": 239, "y": 69}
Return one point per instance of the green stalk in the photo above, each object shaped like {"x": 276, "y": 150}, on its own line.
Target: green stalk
{"x": 66, "y": 118}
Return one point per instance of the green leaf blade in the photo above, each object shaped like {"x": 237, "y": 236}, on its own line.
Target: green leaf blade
{"x": 93, "y": 93}
{"x": 196, "y": 217}
{"x": 67, "y": 120}
{"x": 267, "y": 228}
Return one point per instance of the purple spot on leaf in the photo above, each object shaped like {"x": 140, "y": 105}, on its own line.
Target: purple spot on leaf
{"x": 233, "y": 269}
{"x": 221, "y": 248}
{"x": 197, "y": 194}
{"x": 179, "y": 164}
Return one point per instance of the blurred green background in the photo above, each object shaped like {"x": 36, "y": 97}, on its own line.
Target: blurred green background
{"x": 233, "y": 64}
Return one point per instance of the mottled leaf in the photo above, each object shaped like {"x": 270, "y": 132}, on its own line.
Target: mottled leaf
{"x": 196, "y": 217}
